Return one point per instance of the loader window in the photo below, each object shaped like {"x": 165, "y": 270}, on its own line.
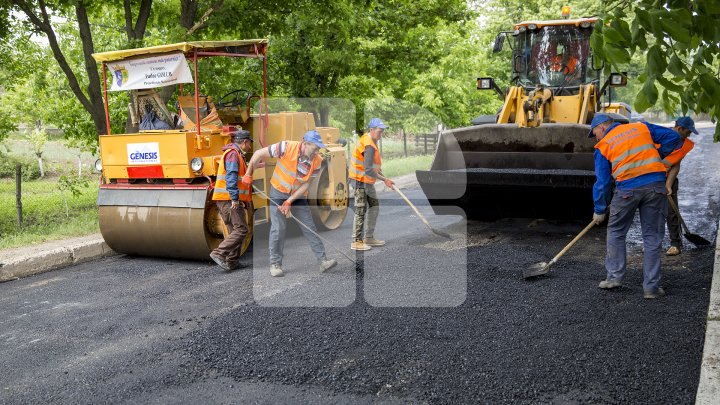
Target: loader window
{"x": 555, "y": 56}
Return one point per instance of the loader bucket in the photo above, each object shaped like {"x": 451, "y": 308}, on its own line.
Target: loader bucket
{"x": 499, "y": 170}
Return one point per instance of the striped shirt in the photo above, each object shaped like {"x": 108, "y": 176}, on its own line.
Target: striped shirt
{"x": 303, "y": 165}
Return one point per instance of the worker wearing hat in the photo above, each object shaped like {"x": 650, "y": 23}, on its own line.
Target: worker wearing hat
{"x": 365, "y": 169}
{"x": 683, "y": 126}
{"x": 233, "y": 199}
{"x": 297, "y": 164}
{"x": 627, "y": 154}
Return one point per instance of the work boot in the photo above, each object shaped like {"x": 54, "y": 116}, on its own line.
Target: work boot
{"x": 609, "y": 284}
{"x": 673, "y": 251}
{"x": 276, "y": 271}
{"x": 374, "y": 242}
{"x": 219, "y": 261}
{"x": 235, "y": 265}
{"x": 327, "y": 264}
{"x": 360, "y": 245}
{"x": 649, "y": 295}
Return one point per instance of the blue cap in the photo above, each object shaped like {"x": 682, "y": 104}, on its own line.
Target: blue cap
{"x": 687, "y": 123}
{"x": 240, "y": 134}
{"x": 597, "y": 120}
{"x": 314, "y": 137}
{"x": 376, "y": 123}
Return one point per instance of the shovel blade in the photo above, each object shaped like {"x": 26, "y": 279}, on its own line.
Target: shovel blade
{"x": 697, "y": 239}
{"x": 441, "y": 233}
{"x": 536, "y": 270}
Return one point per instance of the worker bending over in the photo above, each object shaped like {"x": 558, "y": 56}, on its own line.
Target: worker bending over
{"x": 297, "y": 164}
{"x": 233, "y": 200}
{"x": 683, "y": 126}
{"x": 627, "y": 153}
{"x": 365, "y": 169}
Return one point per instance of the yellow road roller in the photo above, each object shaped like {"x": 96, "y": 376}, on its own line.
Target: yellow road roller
{"x": 156, "y": 184}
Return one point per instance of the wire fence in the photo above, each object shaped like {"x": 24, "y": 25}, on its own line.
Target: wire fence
{"x": 45, "y": 197}
{"x": 402, "y": 144}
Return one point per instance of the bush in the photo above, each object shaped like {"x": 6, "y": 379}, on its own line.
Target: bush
{"x": 30, "y": 169}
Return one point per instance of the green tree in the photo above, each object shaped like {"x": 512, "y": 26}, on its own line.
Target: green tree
{"x": 679, "y": 40}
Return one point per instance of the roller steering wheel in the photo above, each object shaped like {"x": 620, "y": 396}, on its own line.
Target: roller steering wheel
{"x": 236, "y": 100}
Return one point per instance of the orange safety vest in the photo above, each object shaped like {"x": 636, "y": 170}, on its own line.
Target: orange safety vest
{"x": 631, "y": 151}
{"x": 557, "y": 64}
{"x": 220, "y": 192}
{"x": 285, "y": 178}
{"x": 357, "y": 167}
{"x": 677, "y": 155}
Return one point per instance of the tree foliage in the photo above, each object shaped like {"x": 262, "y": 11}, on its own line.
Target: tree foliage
{"x": 680, "y": 42}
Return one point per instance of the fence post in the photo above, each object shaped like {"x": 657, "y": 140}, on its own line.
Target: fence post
{"x": 18, "y": 193}
{"x": 425, "y": 144}
{"x": 404, "y": 141}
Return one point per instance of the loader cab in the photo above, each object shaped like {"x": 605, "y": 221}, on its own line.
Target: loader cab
{"x": 554, "y": 54}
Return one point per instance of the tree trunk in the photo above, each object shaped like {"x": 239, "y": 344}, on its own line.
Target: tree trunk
{"x": 188, "y": 9}
{"x": 324, "y": 116}
{"x": 94, "y": 87}
{"x": 135, "y": 36}
{"x": 40, "y": 164}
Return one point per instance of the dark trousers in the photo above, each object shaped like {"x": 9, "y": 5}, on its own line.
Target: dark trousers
{"x": 651, "y": 201}
{"x": 237, "y": 226}
{"x": 673, "y": 221}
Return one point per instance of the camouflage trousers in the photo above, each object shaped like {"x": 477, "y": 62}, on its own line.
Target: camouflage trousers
{"x": 366, "y": 202}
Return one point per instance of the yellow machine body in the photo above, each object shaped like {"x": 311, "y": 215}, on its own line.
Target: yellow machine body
{"x": 534, "y": 158}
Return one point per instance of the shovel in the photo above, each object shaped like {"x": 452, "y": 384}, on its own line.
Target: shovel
{"x": 694, "y": 239}
{"x": 542, "y": 268}
{"x": 419, "y": 215}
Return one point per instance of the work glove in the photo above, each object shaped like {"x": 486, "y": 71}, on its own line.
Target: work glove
{"x": 285, "y": 207}
{"x": 389, "y": 183}
{"x": 598, "y": 218}
{"x": 247, "y": 179}
{"x": 234, "y": 204}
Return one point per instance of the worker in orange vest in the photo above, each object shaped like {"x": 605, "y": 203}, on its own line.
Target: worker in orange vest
{"x": 233, "y": 199}
{"x": 297, "y": 164}
{"x": 365, "y": 169}
{"x": 683, "y": 126}
{"x": 627, "y": 154}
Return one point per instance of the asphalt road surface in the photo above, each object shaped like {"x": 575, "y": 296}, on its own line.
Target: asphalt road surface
{"x": 423, "y": 319}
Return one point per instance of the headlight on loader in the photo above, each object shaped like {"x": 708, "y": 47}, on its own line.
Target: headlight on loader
{"x": 98, "y": 165}
{"x": 196, "y": 164}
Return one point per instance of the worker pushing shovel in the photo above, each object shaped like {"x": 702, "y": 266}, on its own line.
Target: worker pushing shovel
{"x": 297, "y": 163}
{"x": 365, "y": 170}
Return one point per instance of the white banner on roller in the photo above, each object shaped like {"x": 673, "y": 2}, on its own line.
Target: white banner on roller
{"x": 146, "y": 73}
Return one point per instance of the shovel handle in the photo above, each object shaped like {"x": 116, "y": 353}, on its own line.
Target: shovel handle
{"x": 677, "y": 212}
{"x": 572, "y": 242}
{"x": 414, "y": 208}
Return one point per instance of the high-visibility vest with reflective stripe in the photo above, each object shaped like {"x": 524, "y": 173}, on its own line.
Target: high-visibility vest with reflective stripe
{"x": 220, "y": 193}
{"x": 357, "y": 167}
{"x": 286, "y": 178}
{"x": 677, "y": 155}
{"x": 631, "y": 151}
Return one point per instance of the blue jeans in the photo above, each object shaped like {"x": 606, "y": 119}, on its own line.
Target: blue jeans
{"x": 301, "y": 211}
{"x": 651, "y": 200}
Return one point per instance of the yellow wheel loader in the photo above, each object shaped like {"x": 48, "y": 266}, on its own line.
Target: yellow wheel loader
{"x": 157, "y": 184}
{"x": 534, "y": 158}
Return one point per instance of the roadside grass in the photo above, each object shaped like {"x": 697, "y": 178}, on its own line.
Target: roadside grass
{"x": 401, "y": 166}
{"x": 48, "y": 212}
